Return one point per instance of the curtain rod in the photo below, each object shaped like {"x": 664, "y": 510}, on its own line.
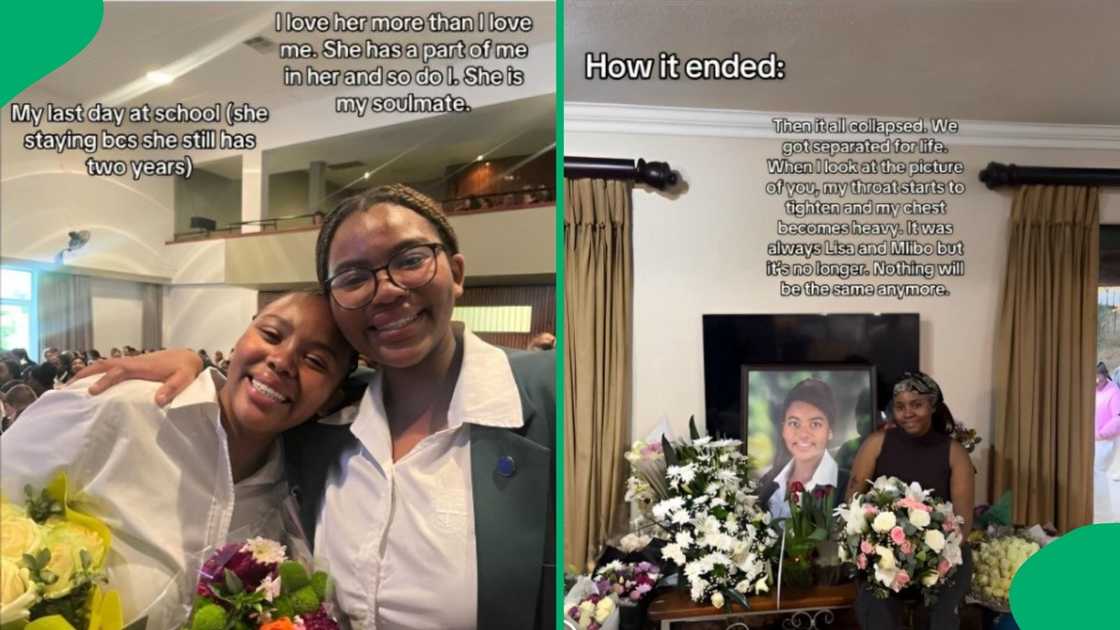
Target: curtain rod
{"x": 997, "y": 175}
{"x": 656, "y": 174}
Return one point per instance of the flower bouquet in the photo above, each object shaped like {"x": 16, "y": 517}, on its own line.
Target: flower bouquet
{"x": 646, "y": 484}
{"x": 52, "y": 560}
{"x": 809, "y": 525}
{"x": 591, "y": 605}
{"x": 253, "y": 585}
{"x": 996, "y": 562}
{"x": 896, "y": 537}
{"x": 631, "y": 582}
{"x": 718, "y": 533}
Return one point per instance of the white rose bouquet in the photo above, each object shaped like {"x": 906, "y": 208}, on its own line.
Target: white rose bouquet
{"x": 896, "y": 537}
{"x": 646, "y": 484}
{"x": 718, "y": 534}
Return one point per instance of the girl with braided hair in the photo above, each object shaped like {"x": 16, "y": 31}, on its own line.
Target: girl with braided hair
{"x": 918, "y": 448}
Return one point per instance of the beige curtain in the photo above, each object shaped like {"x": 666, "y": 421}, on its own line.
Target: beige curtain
{"x": 65, "y": 312}
{"x": 151, "y": 321}
{"x": 1045, "y": 356}
{"x": 598, "y": 286}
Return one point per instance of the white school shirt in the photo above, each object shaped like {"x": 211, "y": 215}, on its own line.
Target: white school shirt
{"x": 398, "y": 537}
{"x": 159, "y": 478}
{"x": 824, "y": 475}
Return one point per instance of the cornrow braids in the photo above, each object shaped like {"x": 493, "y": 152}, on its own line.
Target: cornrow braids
{"x": 396, "y": 194}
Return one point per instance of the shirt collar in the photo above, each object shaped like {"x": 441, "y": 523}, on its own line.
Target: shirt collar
{"x": 486, "y": 394}
{"x": 202, "y": 391}
{"x": 824, "y": 475}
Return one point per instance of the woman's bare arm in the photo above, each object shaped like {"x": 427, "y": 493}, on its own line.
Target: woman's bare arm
{"x": 863, "y": 466}
{"x": 175, "y": 368}
{"x": 962, "y": 484}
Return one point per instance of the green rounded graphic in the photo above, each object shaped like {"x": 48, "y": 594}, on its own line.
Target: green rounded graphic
{"x": 38, "y": 37}
{"x": 1070, "y": 583}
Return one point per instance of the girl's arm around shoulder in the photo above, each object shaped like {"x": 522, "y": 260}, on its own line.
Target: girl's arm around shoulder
{"x": 65, "y": 430}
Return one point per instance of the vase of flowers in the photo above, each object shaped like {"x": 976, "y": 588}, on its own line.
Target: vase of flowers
{"x": 809, "y": 525}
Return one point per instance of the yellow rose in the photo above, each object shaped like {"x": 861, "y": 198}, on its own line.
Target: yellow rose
{"x": 77, "y": 537}
{"x": 11, "y": 510}
{"x": 63, "y": 563}
{"x": 603, "y": 609}
{"x": 19, "y": 535}
{"x": 17, "y": 592}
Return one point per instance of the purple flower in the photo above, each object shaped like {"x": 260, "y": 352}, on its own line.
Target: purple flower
{"x": 241, "y": 563}
{"x": 319, "y": 620}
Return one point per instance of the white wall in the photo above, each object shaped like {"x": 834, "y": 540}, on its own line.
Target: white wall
{"x": 118, "y": 314}
{"x": 210, "y": 317}
{"x": 705, "y": 251}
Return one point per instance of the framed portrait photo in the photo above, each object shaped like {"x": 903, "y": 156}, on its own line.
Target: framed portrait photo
{"x": 806, "y": 414}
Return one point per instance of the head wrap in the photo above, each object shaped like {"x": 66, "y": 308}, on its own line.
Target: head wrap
{"x": 1102, "y": 369}
{"x": 919, "y": 383}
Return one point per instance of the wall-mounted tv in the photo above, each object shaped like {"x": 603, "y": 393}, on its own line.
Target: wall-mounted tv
{"x": 889, "y": 342}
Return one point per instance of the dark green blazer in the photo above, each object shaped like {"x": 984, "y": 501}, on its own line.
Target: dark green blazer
{"x": 514, "y": 514}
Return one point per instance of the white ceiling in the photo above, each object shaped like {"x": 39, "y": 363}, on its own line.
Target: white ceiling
{"x": 419, "y": 150}
{"x": 1032, "y": 61}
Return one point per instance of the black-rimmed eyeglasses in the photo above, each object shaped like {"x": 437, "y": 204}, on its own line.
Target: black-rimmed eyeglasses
{"x": 413, "y": 268}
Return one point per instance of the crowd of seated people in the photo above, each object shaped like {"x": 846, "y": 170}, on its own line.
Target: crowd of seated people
{"x": 23, "y": 381}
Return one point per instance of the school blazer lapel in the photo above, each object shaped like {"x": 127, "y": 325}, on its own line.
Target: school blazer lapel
{"x": 511, "y": 480}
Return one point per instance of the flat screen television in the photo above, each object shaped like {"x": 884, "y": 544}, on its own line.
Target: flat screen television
{"x": 889, "y": 342}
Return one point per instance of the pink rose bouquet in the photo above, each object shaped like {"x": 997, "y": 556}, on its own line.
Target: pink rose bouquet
{"x": 895, "y": 537}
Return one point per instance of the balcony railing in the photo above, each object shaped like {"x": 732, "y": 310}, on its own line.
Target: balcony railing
{"x": 517, "y": 200}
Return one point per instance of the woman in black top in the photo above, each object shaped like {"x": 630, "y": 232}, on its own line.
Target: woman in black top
{"x": 919, "y": 448}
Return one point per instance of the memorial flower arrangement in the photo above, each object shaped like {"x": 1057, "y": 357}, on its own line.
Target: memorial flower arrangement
{"x": 718, "y": 534}
{"x": 52, "y": 559}
{"x": 253, "y": 585}
{"x": 896, "y": 537}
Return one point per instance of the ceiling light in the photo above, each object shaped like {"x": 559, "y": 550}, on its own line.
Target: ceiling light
{"x": 365, "y": 175}
{"x": 479, "y": 158}
{"x": 160, "y": 78}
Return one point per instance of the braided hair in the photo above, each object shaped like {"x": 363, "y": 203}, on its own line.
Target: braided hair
{"x": 395, "y": 194}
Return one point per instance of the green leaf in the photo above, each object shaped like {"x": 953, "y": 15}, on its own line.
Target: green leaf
{"x": 671, "y": 458}
{"x": 693, "y": 434}
{"x": 818, "y": 534}
{"x": 732, "y": 594}
{"x": 233, "y": 583}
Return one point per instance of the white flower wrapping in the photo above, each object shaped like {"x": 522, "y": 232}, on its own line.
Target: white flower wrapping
{"x": 896, "y": 536}
{"x": 718, "y": 532}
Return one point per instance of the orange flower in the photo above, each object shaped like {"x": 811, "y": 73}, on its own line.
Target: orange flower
{"x": 282, "y": 623}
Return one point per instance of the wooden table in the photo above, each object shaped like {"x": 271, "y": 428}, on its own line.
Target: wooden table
{"x": 805, "y": 607}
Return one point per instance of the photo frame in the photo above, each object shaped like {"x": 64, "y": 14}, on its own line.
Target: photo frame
{"x": 847, "y": 393}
